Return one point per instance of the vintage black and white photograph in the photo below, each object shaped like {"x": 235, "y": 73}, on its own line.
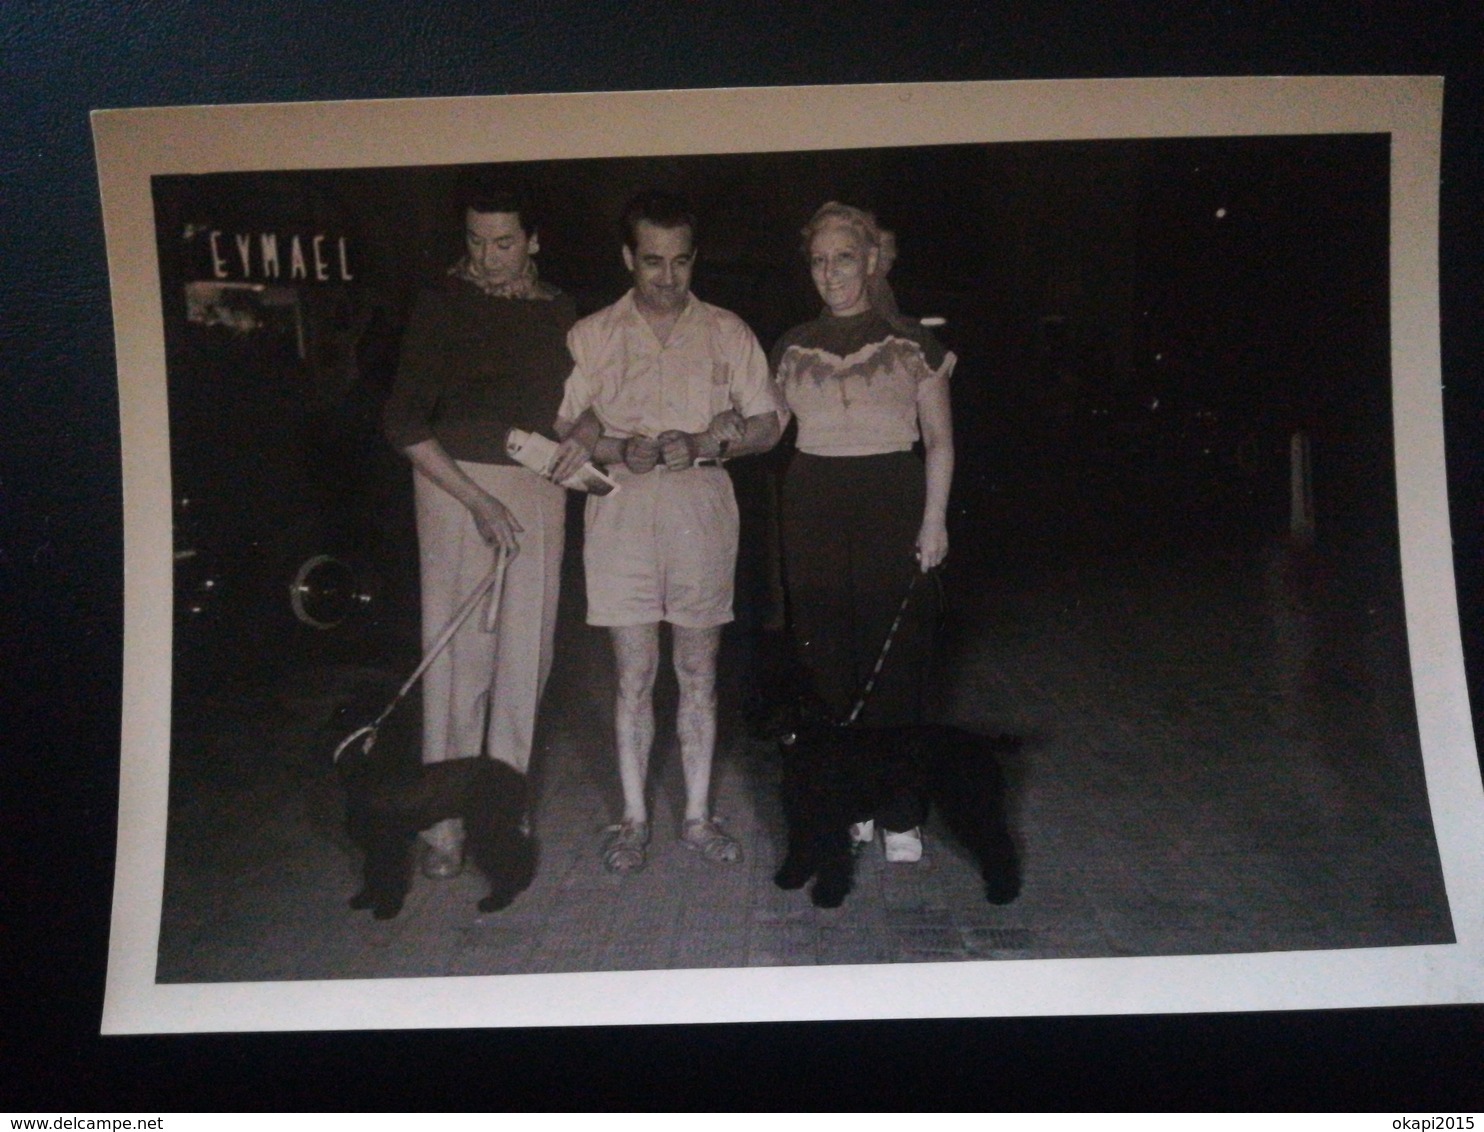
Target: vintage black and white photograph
{"x": 755, "y": 561}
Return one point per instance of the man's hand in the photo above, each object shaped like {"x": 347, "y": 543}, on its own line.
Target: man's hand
{"x": 641, "y": 454}
{"x": 568, "y": 459}
{"x": 727, "y": 427}
{"x": 678, "y": 449}
{"x": 495, "y": 523}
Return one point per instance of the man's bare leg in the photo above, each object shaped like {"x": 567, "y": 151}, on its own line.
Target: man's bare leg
{"x": 695, "y": 719}
{"x": 695, "y": 714}
{"x": 636, "y": 652}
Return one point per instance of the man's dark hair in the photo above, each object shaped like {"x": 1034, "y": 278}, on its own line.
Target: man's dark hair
{"x": 660, "y": 208}
{"x": 485, "y": 199}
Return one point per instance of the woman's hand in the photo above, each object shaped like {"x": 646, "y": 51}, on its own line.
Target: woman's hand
{"x": 935, "y": 415}
{"x": 495, "y": 523}
{"x": 493, "y": 520}
{"x": 932, "y": 544}
{"x": 568, "y": 459}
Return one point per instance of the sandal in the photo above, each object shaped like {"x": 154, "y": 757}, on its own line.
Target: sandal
{"x": 624, "y": 852}
{"x": 704, "y": 836}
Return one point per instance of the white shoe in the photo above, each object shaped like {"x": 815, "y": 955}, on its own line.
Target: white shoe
{"x": 862, "y": 832}
{"x": 903, "y": 848}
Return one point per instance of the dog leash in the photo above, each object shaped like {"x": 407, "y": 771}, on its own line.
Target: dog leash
{"x": 494, "y": 579}
{"x": 896, "y": 624}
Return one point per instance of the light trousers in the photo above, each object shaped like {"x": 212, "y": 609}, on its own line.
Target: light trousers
{"x": 481, "y": 694}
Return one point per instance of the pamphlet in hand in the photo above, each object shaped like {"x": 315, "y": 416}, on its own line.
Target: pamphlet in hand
{"x": 538, "y": 453}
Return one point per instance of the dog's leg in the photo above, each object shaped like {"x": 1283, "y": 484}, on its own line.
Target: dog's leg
{"x": 357, "y": 826}
{"x": 388, "y": 870}
{"x": 969, "y": 788}
{"x": 379, "y": 861}
{"x": 494, "y": 838}
{"x": 820, "y": 796}
{"x": 834, "y": 853}
{"x": 515, "y": 870}
{"x": 989, "y": 843}
{"x": 835, "y": 875}
{"x": 797, "y": 866}
{"x": 998, "y": 864}
{"x": 799, "y": 861}
{"x": 1001, "y": 872}
{"x": 507, "y": 857}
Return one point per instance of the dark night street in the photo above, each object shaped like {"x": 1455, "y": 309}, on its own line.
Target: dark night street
{"x": 1219, "y": 757}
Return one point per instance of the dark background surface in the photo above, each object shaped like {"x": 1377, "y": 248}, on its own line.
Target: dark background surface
{"x": 1140, "y": 325}
{"x": 61, "y": 538}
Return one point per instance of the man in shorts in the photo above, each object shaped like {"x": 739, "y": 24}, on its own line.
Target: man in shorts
{"x": 663, "y": 387}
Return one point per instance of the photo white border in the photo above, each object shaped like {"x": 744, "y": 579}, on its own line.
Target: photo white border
{"x": 134, "y": 145}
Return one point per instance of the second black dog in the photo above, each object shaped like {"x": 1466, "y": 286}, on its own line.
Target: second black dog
{"x": 836, "y": 776}
{"x": 390, "y": 797}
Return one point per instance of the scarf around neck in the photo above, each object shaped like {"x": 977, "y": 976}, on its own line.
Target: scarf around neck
{"x": 527, "y": 286}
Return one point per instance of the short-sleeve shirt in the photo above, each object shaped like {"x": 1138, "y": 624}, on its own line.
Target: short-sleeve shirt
{"x": 852, "y": 382}
{"x": 639, "y": 387}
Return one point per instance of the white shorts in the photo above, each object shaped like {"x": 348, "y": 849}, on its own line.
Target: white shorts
{"x": 663, "y": 548}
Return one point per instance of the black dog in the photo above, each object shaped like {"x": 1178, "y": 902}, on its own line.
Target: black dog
{"x": 836, "y": 776}
{"x": 390, "y": 797}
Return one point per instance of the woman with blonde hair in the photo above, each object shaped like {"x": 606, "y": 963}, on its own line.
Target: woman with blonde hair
{"x": 861, "y": 511}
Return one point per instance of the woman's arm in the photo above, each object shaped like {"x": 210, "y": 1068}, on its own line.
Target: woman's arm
{"x": 730, "y": 434}
{"x": 495, "y": 523}
{"x": 758, "y": 433}
{"x": 583, "y": 440}
{"x": 935, "y": 415}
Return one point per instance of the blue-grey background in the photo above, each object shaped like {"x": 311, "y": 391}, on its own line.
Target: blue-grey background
{"x": 61, "y": 537}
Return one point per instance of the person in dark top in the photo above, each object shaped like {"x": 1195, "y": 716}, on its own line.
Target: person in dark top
{"x": 485, "y": 351}
{"x": 861, "y": 511}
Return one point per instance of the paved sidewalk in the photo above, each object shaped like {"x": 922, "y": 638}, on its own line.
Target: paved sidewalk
{"x": 1220, "y": 755}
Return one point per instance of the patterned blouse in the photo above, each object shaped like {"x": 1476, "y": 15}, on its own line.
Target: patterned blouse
{"x": 852, "y": 382}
